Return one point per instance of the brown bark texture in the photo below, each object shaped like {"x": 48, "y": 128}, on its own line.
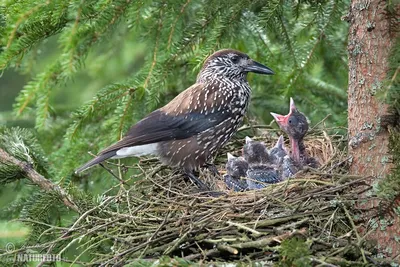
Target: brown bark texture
{"x": 371, "y": 37}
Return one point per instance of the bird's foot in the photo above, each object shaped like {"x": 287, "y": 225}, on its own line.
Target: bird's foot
{"x": 212, "y": 168}
{"x": 202, "y": 186}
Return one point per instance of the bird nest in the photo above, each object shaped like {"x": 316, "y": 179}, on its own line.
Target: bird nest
{"x": 311, "y": 219}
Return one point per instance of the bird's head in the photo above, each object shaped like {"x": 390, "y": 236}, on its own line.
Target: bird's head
{"x": 255, "y": 152}
{"x": 294, "y": 124}
{"x": 230, "y": 64}
{"x": 278, "y": 151}
{"x": 236, "y": 166}
{"x": 280, "y": 144}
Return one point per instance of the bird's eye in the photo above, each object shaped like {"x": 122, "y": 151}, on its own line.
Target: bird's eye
{"x": 235, "y": 59}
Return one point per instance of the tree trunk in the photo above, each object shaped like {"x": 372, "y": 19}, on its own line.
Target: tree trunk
{"x": 370, "y": 40}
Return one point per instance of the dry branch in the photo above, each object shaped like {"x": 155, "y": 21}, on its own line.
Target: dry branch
{"x": 39, "y": 180}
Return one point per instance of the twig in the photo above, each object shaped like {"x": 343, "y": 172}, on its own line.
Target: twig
{"x": 338, "y": 164}
{"x": 268, "y": 240}
{"x": 292, "y": 225}
{"x": 319, "y": 123}
{"x": 228, "y": 249}
{"x": 243, "y": 227}
{"x": 155, "y": 233}
{"x": 355, "y": 232}
{"x": 204, "y": 254}
{"x": 110, "y": 172}
{"x": 325, "y": 264}
{"x": 39, "y": 180}
{"x": 178, "y": 242}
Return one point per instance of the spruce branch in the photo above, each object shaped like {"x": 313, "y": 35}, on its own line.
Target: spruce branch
{"x": 288, "y": 41}
{"x": 316, "y": 41}
{"x": 99, "y": 105}
{"x": 154, "y": 61}
{"x": 38, "y": 179}
{"x": 22, "y": 19}
{"x": 174, "y": 23}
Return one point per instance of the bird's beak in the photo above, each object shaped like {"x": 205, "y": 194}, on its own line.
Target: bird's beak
{"x": 280, "y": 119}
{"x": 292, "y": 105}
{"x": 256, "y": 67}
{"x": 248, "y": 140}
{"x": 230, "y": 156}
{"x": 280, "y": 143}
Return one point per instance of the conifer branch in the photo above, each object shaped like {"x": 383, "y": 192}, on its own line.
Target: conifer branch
{"x": 121, "y": 123}
{"x": 174, "y": 24}
{"x": 21, "y": 19}
{"x": 192, "y": 37}
{"x": 101, "y": 102}
{"x": 237, "y": 11}
{"x": 153, "y": 63}
{"x": 288, "y": 41}
{"x": 298, "y": 72}
{"x": 39, "y": 180}
{"x": 73, "y": 32}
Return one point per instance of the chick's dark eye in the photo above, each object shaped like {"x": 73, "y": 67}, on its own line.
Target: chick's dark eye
{"x": 235, "y": 59}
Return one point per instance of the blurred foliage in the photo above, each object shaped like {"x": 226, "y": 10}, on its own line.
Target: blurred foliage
{"x": 294, "y": 252}
{"x": 90, "y": 69}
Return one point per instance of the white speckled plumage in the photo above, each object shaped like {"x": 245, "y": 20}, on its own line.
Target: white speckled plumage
{"x": 195, "y": 124}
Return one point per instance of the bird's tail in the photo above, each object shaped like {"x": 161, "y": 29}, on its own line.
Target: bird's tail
{"x": 96, "y": 160}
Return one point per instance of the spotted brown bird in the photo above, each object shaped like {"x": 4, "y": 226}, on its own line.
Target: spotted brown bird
{"x": 189, "y": 130}
{"x": 295, "y": 124}
{"x": 236, "y": 168}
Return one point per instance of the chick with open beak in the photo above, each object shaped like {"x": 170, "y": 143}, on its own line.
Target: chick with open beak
{"x": 295, "y": 124}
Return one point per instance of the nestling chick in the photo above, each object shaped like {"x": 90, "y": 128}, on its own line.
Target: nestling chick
{"x": 295, "y": 124}
{"x": 255, "y": 152}
{"x": 260, "y": 176}
{"x": 261, "y": 170}
{"x": 278, "y": 152}
{"x": 236, "y": 168}
{"x": 289, "y": 167}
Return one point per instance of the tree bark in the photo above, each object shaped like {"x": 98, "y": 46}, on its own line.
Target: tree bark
{"x": 371, "y": 37}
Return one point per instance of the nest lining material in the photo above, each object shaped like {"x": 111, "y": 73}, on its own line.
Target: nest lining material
{"x": 163, "y": 214}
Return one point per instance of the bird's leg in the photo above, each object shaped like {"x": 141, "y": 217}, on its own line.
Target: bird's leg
{"x": 197, "y": 181}
{"x": 212, "y": 168}
{"x": 202, "y": 186}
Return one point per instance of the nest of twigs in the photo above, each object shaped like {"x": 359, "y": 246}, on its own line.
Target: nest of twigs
{"x": 312, "y": 219}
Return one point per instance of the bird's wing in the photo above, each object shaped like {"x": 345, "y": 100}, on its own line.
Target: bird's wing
{"x": 289, "y": 167}
{"x": 267, "y": 175}
{"x": 235, "y": 184}
{"x": 180, "y": 119}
